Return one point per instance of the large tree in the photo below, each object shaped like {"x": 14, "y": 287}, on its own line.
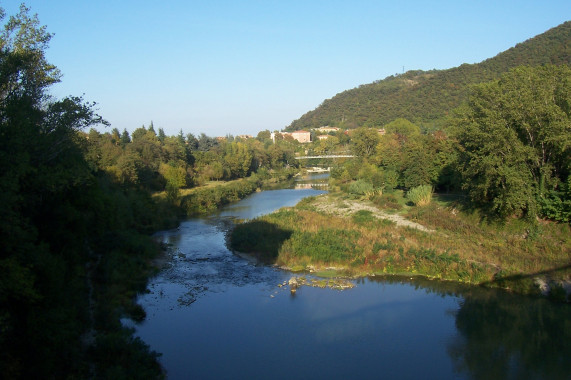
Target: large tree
{"x": 364, "y": 142}
{"x": 515, "y": 136}
{"x": 45, "y": 183}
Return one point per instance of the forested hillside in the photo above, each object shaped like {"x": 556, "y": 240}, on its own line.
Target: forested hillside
{"x": 426, "y": 97}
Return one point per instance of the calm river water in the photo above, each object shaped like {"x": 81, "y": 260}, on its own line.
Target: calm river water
{"x": 215, "y": 315}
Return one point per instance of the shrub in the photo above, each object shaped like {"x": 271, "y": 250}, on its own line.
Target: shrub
{"x": 360, "y": 187}
{"x": 363, "y": 217}
{"x": 420, "y": 195}
{"x": 327, "y": 245}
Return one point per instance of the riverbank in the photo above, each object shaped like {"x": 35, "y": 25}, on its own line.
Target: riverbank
{"x": 438, "y": 241}
{"x": 213, "y": 195}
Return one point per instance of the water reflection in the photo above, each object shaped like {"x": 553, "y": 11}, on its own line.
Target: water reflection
{"x": 502, "y": 336}
{"x": 312, "y": 181}
{"x": 300, "y": 186}
{"x": 505, "y": 336}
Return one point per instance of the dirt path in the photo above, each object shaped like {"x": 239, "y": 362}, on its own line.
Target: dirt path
{"x": 348, "y": 207}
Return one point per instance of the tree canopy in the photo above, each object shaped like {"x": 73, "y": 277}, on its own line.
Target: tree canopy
{"x": 515, "y": 135}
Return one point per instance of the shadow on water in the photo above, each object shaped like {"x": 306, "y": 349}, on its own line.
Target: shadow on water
{"x": 526, "y": 282}
{"x": 260, "y": 239}
{"x": 501, "y": 335}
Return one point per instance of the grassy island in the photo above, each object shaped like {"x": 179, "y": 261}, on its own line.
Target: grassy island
{"x": 338, "y": 234}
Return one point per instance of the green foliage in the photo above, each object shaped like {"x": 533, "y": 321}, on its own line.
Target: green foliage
{"x": 516, "y": 140}
{"x": 205, "y": 200}
{"x": 363, "y": 217}
{"x": 402, "y": 127}
{"x": 419, "y": 165}
{"x": 556, "y": 205}
{"x": 360, "y": 187}
{"x": 237, "y": 160}
{"x": 327, "y": 245}
{"x": 364, "y": 142}
{"x": 59, "y": 215}
{"x": 420, "y": 195}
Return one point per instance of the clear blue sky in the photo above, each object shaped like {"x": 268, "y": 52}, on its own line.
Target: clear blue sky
{"x": 237, "y": 67}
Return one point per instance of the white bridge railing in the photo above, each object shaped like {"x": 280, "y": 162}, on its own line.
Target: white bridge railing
{"x": 299, "y": 186}
{"x": 326, "y": 156}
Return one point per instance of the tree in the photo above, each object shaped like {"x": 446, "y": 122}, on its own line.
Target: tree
{"x": 419, "y": 165}
{"x": 191, "y": 141}
{"x": 175, "y": 177}
{"x": 125, "y": 138}
{"x": 515, "y": 136}
{"x": 237, "y": 159}
{"x": 206, "y": 143}
{"x": 327, "y": 145}
{"x": 24, "y": 67}
{"x": 402, "y": 127}
{"x": 161, "y": 135}
{"x": 152, "y": 128}
{"x": 116, "y": 136}
{"x": 264, "y": 136}
{"x": 44, "y": 184}
{"x": 364, "y": 142}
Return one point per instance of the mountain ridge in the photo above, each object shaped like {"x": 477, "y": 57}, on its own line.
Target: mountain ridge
{"x": 426, "y": 97}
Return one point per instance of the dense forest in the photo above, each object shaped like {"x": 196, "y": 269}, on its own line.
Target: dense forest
{"x": 427, "y": 97}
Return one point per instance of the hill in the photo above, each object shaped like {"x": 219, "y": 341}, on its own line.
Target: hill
{"x": 426, "y": 97}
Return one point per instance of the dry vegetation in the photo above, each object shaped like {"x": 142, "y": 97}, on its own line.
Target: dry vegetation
{"x": 438, "y": 241}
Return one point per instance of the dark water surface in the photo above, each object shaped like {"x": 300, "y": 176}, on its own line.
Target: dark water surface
{"x": 215, "y": 315}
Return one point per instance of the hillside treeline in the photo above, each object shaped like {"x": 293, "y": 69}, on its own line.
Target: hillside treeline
{"x": 427, "y": 97}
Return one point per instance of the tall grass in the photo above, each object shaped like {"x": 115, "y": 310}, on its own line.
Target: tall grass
{"x": 420, "y": 195}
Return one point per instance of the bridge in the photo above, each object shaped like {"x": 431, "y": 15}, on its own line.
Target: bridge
{"x": 326, "y": 156}
{"x": 302, "y": 186}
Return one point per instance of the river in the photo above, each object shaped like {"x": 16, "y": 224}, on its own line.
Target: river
{"x": 215, "y": 315}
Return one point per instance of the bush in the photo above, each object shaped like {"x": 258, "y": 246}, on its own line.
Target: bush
{"x": 363, "y": 217}
{"x": 556, "y": 205}
{"x": 360, "y": 187}
{"x": 327, "y": 245}
{"x": 420, "y": 195}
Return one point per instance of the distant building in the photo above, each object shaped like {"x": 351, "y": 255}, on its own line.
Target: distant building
{"x": 245, "y": 137}
{"x": 323, "y": 137}
{"x": 301, "y": 136}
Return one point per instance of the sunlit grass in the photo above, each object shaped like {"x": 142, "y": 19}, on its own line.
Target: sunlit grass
{"x": 464, "y": 247}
